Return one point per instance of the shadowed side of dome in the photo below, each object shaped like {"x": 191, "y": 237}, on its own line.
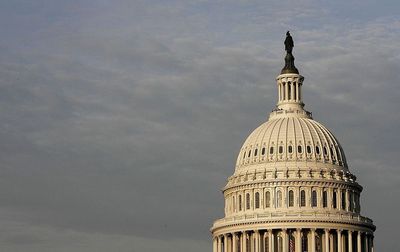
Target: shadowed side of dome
{"x": 291, "y": 143}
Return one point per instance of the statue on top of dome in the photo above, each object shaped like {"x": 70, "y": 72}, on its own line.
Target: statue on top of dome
{"x": 289, "y": 59}
{"x": 289, "y": 44}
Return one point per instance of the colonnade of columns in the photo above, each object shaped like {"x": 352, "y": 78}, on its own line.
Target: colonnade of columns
{"x": 288, "y": 91}
{"x": 294, "y": 240}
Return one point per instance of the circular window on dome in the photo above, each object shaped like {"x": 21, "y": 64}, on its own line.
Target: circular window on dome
{"x": 299, "y": 149}
{"x": 290, "y": 149}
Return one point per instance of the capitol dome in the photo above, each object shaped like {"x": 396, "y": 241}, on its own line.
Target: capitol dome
{"x": 290, "y": 143}
{"x": 292, "y": 190}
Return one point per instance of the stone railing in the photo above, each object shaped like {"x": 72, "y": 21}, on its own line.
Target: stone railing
{"x": 288, "y": 216}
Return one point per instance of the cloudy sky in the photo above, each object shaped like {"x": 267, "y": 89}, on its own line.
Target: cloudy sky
{"x": 120, "y": 120}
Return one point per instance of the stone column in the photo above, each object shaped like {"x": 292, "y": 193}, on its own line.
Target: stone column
{"x": 339, "y": 240}
{"x": 350, "y": 241}
{"x": 312, "y": 240}
{"x": 270, "y": 240}
{"x": 219, "y": 244}
{"x": 298, "y": 240}
{"x": 326, "y": 240}
{"x": 359, "y": 241}
{"x": 287, "y": 91}
{"x": 245, "y": 241}
{"x": 215, "y": 244}
{"x": 366, "y": 242}
{"x": 285, "y": 240}
{"x": 225, "y": 243}
{"x": 234, "y": 242}
{"x": 257, "y": 245}
{"x": 372, "y": 243}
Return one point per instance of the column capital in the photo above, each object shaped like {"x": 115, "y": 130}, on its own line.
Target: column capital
{"x": 298, "y": 229}
{"x": 327, "y": 230}
{"x": 256, "y": 231}
{"x": 269, "y": 231}
{"x": 313, "y": 229}
{"x": 350, "y": 231}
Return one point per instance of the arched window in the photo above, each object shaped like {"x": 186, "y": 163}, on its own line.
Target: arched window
{"x": 290, "y": 149}
{"x": 308, "y": 149}
{"x": 279, "y": 199}
{"x": 271, "y": 150}
{"x": 314, "y": 199}
{"x": 233, "y": 204}
{"x": 280, "y": 149}
{"x": 325, "y": 151}
{"x": 247, "y": 200}
{"x": 291, "y": 198}
{"x": 351, "y": 201}
{"x": 240, "y": 202}
{"x": 344, "y": 200}
{"x": 244, "y": 154}
{"x": 255, "y": 152}
{"x": 268, "y": 199}
{"x": 263, "y": 151}
{"x": 334, "y": 200}
{"x": 317, "y": 149}
{"x": 292, "y": 241}
{"x": 325, "y": 199}
{"x": 303, "y": 198}
{"x": 289, "y": 91}
{"x": 249, "y": 153}
{"x": 257, "y": 200}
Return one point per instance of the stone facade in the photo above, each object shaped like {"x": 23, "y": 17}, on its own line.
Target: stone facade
{"x": 292, "y": 190}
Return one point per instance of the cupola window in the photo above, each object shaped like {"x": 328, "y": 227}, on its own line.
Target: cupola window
{"x": 290, "y": 149}
{"x": 271, "y": 150}
{"x": 325, "y": 199}
{"x": 308, "y": 149}
{"x": 255, "y": 152}
{"x": 280, "y": 149}
{"x": 268, "y": 199}
{"x": 249, "y": 153}
{"x": 343, "y": 200}
{"x": 303, "y": 198}
{"x": 291, "y": 198}
{"x": 257, "y": 200}
{"x": 314, "y": 199}
{"x": 263, "y": 151}
{"x": 334, "y": 200}
{"x": 317, "y": 149}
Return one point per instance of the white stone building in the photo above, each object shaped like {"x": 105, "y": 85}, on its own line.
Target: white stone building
{"x": 292, "y": 189}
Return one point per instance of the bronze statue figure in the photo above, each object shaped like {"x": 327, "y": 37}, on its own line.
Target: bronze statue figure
{"x": 289, "y": 59}
{"x": 288, "y": 43}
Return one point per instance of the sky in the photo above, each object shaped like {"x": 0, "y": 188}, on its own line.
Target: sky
{"x": 121, "y": 120}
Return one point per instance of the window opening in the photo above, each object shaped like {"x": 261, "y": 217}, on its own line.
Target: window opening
{"x": 314, "y": 199}
{"x": 291, "y": 198}
{"x": 303, "y": 198}
{"x": 257, "y": 200}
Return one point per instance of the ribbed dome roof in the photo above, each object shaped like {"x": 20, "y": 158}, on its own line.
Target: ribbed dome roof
{"x": 291, "y": 143}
